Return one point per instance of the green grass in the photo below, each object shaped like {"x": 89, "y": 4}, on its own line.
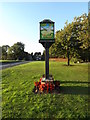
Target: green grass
{"x": 19, "y": 101}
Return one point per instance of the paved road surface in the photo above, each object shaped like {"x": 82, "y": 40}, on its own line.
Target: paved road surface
{"x": 12, "y": 64}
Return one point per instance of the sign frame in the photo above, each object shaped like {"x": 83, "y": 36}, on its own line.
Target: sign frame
{"x": 47, "y": 21}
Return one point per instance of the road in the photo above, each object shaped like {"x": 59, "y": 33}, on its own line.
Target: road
{"x": 12, "y": 64}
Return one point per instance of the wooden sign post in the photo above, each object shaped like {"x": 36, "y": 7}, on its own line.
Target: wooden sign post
{"x": 47, "y": 39}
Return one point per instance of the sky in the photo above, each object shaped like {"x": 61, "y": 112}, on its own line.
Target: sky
{"x": 19, "y": 21}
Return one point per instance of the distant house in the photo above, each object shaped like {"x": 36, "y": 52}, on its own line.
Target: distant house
{"x": 37, "y": 56}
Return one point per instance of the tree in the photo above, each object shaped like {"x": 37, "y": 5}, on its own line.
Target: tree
{"x": 27, "y": 56}
{"x": 56, "y": 50}
{"x": 81, "y": 25}
{"x": 16, "y": 51}
{"x": 6, "y": 47}
{"x": 72, "y": 41}
{"x": 4, "y": 51}
{"x": 89, "y": 36}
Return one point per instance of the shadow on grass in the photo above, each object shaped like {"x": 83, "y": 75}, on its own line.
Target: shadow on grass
{"x": 74, "y": 64}
{"x": 74, "y": 82}
{"x": 68, "y": 65}
{"x": 74, "y": 90}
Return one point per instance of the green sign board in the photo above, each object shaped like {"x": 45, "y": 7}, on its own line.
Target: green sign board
{"x": 46, "y": 31}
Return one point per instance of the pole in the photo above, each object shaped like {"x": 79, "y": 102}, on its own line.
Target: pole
{"x": 68, "y": 56}
{"x": 47, "y": 62}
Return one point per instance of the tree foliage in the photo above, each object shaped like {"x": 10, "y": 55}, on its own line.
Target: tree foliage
{"x": 16, "y": 51}
{"x": 72, "y": 41}
{"x": 4, "y": 51}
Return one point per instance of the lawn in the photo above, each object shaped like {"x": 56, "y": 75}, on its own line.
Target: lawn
{"x": 18, "y": 100}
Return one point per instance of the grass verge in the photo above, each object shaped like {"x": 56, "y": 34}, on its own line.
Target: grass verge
{"x": 18, "y": 100}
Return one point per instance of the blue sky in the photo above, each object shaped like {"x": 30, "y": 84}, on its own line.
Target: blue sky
{"x": 20, "y": 21}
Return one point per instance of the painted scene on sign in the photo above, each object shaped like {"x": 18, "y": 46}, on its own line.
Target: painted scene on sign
{"x": 47, "y": 31}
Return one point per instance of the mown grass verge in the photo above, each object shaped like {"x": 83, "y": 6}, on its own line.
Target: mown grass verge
{"x": 18, "y": 100}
